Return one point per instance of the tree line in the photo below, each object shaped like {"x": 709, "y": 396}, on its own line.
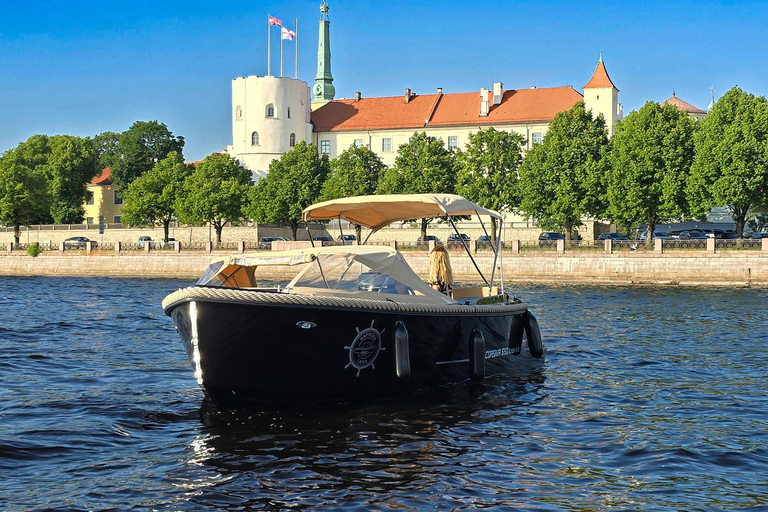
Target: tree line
{"x": 660, "y": 165}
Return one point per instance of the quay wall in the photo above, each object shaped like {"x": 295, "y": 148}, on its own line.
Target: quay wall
{"x": 683, "y": 267}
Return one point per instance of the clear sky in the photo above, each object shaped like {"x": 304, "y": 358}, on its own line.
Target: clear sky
{"x": 85, "y": 67}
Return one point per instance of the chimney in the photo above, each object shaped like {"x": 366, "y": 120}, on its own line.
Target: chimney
{"x": 407, "y": 95}
{"x": 439, "y": 90}
{"x": 483, "y": 102}
{"x": 358, "y": 96}
{"x": 498, "y": 92}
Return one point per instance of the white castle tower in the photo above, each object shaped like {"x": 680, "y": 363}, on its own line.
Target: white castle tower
{"x": 602, "y": 97}
{"x": 270, "y": 115}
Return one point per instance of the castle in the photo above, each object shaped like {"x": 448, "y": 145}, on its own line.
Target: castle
{"x": 272, "y": 114}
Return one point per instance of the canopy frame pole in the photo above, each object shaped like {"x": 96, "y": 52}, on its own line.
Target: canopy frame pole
{"x": 485, "y": 231}
{"x": 372, "y": 231}
{"x": 501, "y": 258}
{"x": 497, "y": 258}
{"x": 312, "y": 242}
{"x": 466, "y": 248}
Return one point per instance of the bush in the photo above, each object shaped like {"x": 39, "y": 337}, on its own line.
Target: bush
{"x": 34, "y": 249}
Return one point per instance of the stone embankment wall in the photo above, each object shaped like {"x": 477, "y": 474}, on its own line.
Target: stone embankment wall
{"x": 403, "y": 233}
{"x": 683, "y": 267}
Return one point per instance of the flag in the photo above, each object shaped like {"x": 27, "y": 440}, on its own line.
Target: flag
{"x": 275, "y": 21}
{"x": 287, "y": 34}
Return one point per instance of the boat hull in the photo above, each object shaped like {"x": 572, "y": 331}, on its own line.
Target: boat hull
{"x": 251, "y": 351}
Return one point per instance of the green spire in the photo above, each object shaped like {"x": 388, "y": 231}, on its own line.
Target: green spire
{"x": 324, "y": 90}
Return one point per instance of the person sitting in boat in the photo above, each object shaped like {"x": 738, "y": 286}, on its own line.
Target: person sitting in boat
{"x": 440, "y": 275}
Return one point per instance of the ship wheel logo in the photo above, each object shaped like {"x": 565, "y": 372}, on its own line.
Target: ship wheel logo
{"x": 364, "y": 348}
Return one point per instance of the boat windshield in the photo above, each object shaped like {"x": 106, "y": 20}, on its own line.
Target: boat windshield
{"x": 330, "y": 272}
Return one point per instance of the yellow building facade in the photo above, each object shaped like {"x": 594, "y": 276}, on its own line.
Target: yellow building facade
{"x": 105, "y": 200}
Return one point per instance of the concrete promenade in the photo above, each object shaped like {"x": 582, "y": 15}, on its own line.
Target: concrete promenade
{"x": 679, "y": 267}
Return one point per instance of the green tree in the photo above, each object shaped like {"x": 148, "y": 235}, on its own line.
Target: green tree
{"x": 649, "y": 159}
{"x": 24, "y": 198}
{"x": 107, "y": 146}
{"x": 294, "y": 182}
{"x": 72, "y": 164}
{"x": 152, "y": 197}
{"x": 141, "y": 146}
{"x": 68, "y": 164}
{"x": 488, "y": 170}
{"x": 355, "y": 172}
{"x": 560, "y": 178}
{"x": 214, "y": 193}
{"x": 423, "y": 166}
{"x": 731, "y": 163}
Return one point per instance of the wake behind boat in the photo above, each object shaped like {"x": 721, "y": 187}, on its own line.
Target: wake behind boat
{"x": 355, "y": 321}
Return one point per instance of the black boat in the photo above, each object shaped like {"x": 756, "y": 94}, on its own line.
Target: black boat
{"x": 355, "y": 321}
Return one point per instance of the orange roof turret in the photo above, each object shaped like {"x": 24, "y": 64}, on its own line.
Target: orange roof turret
{"x": 600, "y": 77}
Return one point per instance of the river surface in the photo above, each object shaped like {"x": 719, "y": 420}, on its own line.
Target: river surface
{"x": 647, "y": 399}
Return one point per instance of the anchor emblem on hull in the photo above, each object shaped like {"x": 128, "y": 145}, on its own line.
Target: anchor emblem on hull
{"x": 364, "y": 348}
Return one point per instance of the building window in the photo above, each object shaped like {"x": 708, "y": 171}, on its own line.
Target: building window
{"x": 292, "y": 139}
{"x": 453, "y": 142}
{"x": 536, "y": 137}
{"x": 358, "y": 143}
{"x": 89, "y": 220}
{"x": 118, "y": 219}
{"x": 90, "y": 200}
{"x": 289, "y": 112}
{"x": 239, "y": 113}
{"x": 386, "y": 145}
{"x": 255, "y": 139}
{"x": 270, "y": 112}
{"x": 325, "y": 147}
{"x": 118, "y": 197}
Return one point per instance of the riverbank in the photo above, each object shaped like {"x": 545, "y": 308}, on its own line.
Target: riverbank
{"x": 681, "y": 267}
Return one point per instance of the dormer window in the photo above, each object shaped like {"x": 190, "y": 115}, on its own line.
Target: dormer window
{"x": 255, "y": 139}
{"x": 270, "y": 110}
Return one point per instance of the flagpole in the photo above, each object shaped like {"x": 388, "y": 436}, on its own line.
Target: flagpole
{"x": 269, "y": 46}
{"x": 281, "y": 52}
{"x": 296, "y": 43}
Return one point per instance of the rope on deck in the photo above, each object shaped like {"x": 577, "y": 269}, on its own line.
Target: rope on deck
{"x": 273, "y": 298}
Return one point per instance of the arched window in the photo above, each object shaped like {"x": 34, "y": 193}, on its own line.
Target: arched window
{"x": 270, "y": 110}
{"x": 292, "y": 140}
{"x": 289, "y": 112}
{"x": 255, "y": 139}
{"x": 239, "y": 113}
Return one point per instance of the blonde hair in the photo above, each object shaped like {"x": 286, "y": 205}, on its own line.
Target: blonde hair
{"x": 440, "y": 266}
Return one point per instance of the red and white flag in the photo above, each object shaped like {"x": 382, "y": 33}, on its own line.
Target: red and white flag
{"x": 287, "y": 34}
{"x": 275, "y": 21}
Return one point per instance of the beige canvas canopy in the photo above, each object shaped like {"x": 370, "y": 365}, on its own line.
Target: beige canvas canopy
{"x": 375, "y": 212}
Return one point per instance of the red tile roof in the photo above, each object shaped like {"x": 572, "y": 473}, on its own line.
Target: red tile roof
{"x": 684, "y": 106}
{"x": 517, "y": 106}
{"x": 103, "y": 178}
{"x": 600, "y": 78}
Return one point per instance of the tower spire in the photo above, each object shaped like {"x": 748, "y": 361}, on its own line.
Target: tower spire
{"x": 324, "y": 90}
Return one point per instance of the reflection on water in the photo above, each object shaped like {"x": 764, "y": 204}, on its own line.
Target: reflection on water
{"x": 647, "y": 399}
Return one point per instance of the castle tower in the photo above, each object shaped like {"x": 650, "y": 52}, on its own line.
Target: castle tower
{"x": 270, "y": 115}
{"x": 324, "y": 90}
{"x": 602, "y": 97}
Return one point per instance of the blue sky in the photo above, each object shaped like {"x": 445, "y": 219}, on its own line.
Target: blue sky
{"x": 85, "y": 67}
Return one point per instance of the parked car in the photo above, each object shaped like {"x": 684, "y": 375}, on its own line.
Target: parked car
{"x": 427, "y": 239}
{"x": 168, "y": 242}
{"x": 762, "y": 232}
{"x": 266, "y": 241}
{"x": 550, "y": 238}
{"x": 454, "y": 238}
{"x": 656, "y": 234}
{"x": 346, "y": 239}
{"x": 78, "y": 242}
{"x": 324, "y": 240}
{"x": 692, "y": 234}
{"x": 730, "y": 235}
{"x": 612, "y": 236}
{"x": 144, "y": 240}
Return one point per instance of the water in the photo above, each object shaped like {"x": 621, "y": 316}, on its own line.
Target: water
{"x": 648, "y": 399}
